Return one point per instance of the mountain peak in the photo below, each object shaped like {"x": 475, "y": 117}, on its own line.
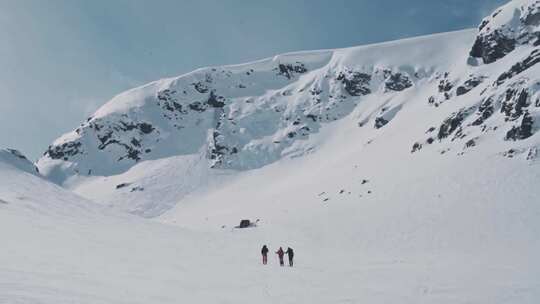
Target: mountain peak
{"x": 514, "y": 24}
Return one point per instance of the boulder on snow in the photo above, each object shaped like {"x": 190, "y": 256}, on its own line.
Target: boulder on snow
{"x": 122, "y": 185}
{"x": 247, "y": 224}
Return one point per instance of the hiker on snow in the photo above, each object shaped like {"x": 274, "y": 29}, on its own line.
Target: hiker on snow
{"x": 264, "y": 252}
{"x": 280, "y": 254}
{"x": 290, "y": 253}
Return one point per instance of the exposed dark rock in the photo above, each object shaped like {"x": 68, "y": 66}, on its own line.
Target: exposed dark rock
{"x": 166, "y": 95}
{"x": 513, "y": 105}
{"x": 380, "y": 122}
{"x": 169, "y": 103}
{"x": 511, "y": 153}
{"x": 312, "y": 117}
{"x": 215, "y": 101}
{"x": 131, "y": 153}
{"x": 137, "y": 188}
{"x": 452, "y": 123}
{"x": 104, "y": 139}
{"x": 532, "y": 154}
{"x": 247, "y": 224}
{"x": 122, "y": 185}
{"x": 416, "y": 147}
{"x": 135, "y": 142}
{"x": 145, "y": 128}
{"x": 17, "y": 154}
{"x": 485, "y": 110}
{"x": 519, "y": 67}
{"x": 315, "y": 91}
{"x": 64, "y": 150}
{"x": 288, "y": 70}
{"x": 468, "y": 85}
{"x": 355, "y": 83}
{"x": 492, "y": 47}
{"x": 201, "y": 87}
{"x": 523, "y": 130}
{"x": 397, "y": 82}
{"x": 459, "y": 134}
{"x": 445, "y": 85}
{"x": 470, "y": 143}
{"x": 197, "y": 106}
{"x": 496, "y": 41}
{"x": 531, "y": 19}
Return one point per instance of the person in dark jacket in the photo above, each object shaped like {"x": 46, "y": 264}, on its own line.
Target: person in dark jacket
{"x": 290, "y": 253}
{"x": 280, "y": 254}
{"x": 264, "y": 252}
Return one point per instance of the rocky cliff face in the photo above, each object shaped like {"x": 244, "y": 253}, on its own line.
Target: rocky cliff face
{"x": 509, "y": 27}
{"x": 485, "y": 87}
{"x": 240, "y": 117}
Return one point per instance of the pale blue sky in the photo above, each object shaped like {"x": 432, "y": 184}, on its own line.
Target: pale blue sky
{"x": 61, "y": 59}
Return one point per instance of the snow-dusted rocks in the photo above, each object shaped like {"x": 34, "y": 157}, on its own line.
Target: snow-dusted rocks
{"x": 515, "y": 24}
{"x": 239, "y": 117}
{"x": 248, "y": 116}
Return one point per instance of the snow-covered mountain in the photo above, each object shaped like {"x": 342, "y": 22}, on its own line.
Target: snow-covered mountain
{"x": 466, "y": 87}
{"x": 401, "y": 172}
{"x": 14, "y": 158}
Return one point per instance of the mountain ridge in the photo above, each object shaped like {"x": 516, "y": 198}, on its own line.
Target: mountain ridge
{"x": 247, "y": 116}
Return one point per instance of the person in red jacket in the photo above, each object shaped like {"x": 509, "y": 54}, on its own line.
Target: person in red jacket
{"x": 264, "y": 252}
{"x": 280, "y": 254}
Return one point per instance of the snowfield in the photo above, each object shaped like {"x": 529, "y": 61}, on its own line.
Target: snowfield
{"x": 401, "y": 172}
{"x": 467, "y": 239}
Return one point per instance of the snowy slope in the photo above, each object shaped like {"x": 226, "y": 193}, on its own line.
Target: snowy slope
{"x": 245, "y": 116}
{"x": 14, "y": 158}
{"x": 401, "y": 172}
{"x": 211, "y": 121}
{"x": 397, "y": 244}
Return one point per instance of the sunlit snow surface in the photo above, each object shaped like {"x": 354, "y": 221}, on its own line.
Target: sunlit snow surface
{"x": 403, "y": 172}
